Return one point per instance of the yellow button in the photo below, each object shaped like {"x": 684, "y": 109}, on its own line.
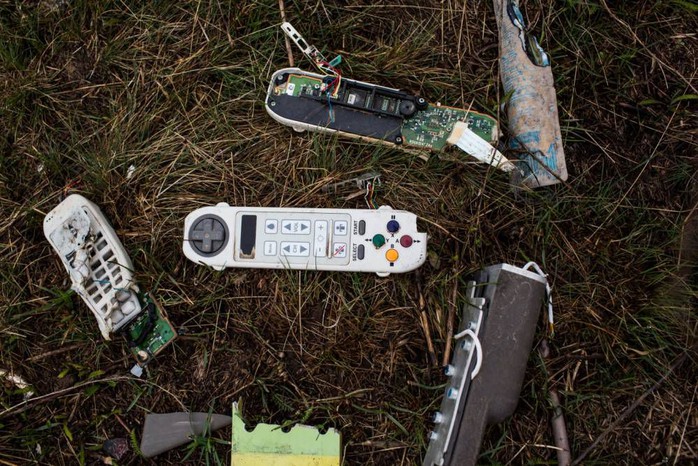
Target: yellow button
{"x": 391, "y": 255}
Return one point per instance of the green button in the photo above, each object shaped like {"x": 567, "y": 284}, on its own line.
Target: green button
{"x": 378, "y": 241}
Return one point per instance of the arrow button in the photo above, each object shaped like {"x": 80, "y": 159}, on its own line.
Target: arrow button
{"x": 295, "y": 227}
{"x": 295, "y": 249}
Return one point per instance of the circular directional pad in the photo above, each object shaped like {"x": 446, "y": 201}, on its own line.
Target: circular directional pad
{"x": 208, "y": 235}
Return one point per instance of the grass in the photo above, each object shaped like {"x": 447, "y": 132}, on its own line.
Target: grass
{"x": 89, "y": 89}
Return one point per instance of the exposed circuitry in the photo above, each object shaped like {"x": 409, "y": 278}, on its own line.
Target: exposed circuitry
{"x": 298, "y": 85}
{"x": 431, "y": 128}
{"x": 150, "y": 332}
{"x": 427, "y": 129}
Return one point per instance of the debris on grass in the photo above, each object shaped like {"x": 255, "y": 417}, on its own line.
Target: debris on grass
{"x": 116, "y": 448}
{"x": 176, "y": 90}
{"x": 18, "y": 382}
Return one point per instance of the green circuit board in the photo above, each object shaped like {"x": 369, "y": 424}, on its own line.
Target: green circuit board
{"x": 431, "y": 128}
{"x": 297, "y": 85}
{"x": 150, "y": 332}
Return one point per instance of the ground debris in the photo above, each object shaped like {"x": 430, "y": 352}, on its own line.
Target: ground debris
{"x": 116, "y": 448}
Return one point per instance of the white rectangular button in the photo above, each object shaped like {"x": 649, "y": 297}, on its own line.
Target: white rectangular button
{"x": 340, "y": 228}
{"x": 271, "y": 226}
{"x": 292, "y": 248}
{"x": 295, "y": 227}
{"x": 270, "y": 248}
{"x": 339, "y": 250}
{"x": 320, "y": 249}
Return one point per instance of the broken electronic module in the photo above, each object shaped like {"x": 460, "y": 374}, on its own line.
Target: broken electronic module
{"x": 101, "y": 273}
{"x": 330, "y": 103}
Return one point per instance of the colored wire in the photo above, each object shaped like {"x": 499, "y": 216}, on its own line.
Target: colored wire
{"x": 329, "y": 101}
{"x": 330, "y": 70}
{"x": 338, "y": 83}
{"x": 107, "y": 282}
{"x": 370, "y": 196}
{"x": 332, "y": 88}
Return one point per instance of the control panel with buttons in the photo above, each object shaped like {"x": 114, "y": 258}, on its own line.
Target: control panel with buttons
{"x": 383, "y": 241}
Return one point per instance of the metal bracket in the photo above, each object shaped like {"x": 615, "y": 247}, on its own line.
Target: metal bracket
{"x": 360, "y": 182}
{"x": 308, "y": 50}
{"x": 461, "y": 373}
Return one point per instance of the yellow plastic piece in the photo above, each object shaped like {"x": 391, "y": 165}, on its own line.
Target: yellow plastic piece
{"x": 268, "y": 445}
{"x": 392, "y": 255}
{"x": 261, "y": 459}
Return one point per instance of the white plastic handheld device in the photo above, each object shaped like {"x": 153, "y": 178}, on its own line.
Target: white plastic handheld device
{"x": 99, "y": 267}
{"x": 383, "y": 241}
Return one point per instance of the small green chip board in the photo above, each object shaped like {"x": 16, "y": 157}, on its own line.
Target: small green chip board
{"x": 301, "y": 84}
{"x": 431, "y": 128}
{"x": 150, "y": 332}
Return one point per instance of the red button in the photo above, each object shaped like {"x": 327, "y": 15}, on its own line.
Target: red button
{"x": 406, "y": 241}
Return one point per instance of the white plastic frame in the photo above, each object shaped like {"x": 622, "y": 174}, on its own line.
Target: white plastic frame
{"x": 100, "y": 270}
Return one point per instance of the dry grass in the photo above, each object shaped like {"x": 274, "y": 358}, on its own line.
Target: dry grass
{"x": 175, "y": 89}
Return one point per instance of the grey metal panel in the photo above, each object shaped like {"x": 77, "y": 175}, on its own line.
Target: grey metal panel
{"x": 513, "y": 300}
{"x": 503, "y": 305}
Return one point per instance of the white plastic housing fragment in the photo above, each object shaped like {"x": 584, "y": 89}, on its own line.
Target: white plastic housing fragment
{"x": 99, "y": 267}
